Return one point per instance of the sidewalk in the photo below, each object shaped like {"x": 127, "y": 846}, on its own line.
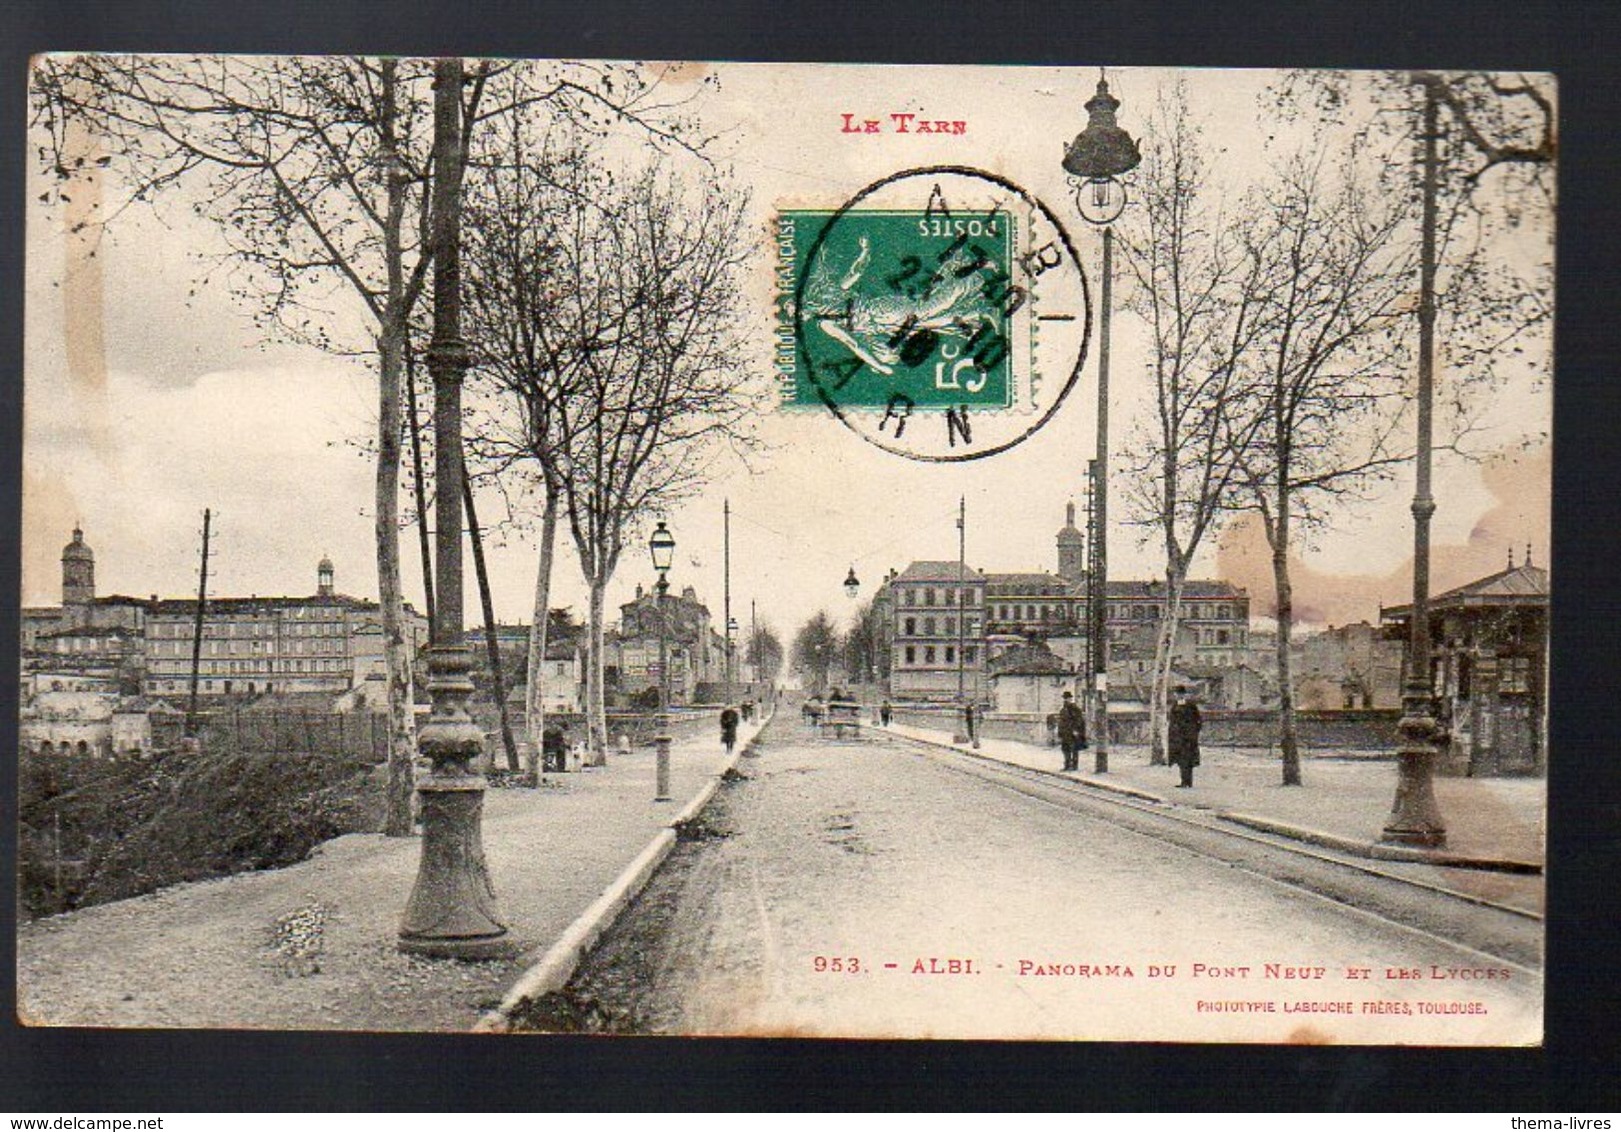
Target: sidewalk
{"x": 312, "y": 946}
{"x": 1343, "y": 803}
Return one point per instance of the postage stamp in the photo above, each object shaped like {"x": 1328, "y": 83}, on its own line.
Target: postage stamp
{"x": 942, "y": 313}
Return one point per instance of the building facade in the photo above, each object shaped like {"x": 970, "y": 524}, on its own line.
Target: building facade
{"x": 327, "y": 642}
{"x": 695, "y": 651}
{"x": 934, "y": 609}
{"x": 937, "y": 648}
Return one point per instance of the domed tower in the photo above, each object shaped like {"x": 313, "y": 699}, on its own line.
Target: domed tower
{"x": 1071, "y": 549}
{"x": 78, "y": 577}
{"x": 323, "y": 577}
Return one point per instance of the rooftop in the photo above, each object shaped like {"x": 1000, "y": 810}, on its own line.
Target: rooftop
{"x": 1517, "y": 585}
{"x": 939, "y": 571}
{"x": 1030, "y": 660}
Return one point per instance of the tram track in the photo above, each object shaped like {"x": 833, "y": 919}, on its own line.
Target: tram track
{"x": 1476, "y": 924}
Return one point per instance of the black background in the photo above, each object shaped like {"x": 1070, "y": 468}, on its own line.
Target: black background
{"x": 65, "y": 1071}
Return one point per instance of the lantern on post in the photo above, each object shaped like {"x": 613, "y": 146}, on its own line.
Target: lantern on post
{"x": 1098, "y": 157}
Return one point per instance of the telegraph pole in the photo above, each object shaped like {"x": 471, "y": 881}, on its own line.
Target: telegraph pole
{"x": 726, "y": 570}
{"x": 197, "y": 632}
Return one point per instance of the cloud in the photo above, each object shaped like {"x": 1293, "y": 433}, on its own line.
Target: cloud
{"x": 1518, "y": 485}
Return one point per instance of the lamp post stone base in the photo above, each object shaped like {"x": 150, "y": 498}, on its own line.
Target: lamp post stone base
{"x": 452, "y": 912}
{"x": 1415, "y": 818}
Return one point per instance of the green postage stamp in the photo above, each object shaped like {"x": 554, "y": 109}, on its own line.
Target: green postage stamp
{"x": 940, "y": 313}
{"x": 901, "y": 299}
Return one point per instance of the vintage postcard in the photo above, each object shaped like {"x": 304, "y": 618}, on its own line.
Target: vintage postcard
{"x": 933, "y": 552}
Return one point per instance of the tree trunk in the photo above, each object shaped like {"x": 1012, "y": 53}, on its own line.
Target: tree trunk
{"x": 1159, "y": 706}
{"x": 535, "y": 687}
{"x": 1288, "y": 743}
{"x": 492, "y": 642}
{"x": 596, "y": 712}
{"x": 396, "y": 654}
{"x": 419, "y": 487}
{"x": 397, "y": 658}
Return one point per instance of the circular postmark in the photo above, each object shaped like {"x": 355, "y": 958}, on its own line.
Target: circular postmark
{"x": 941, "y": 313}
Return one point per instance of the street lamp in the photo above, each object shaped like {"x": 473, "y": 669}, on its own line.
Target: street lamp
{"x": 1415, "y": 818}
{"x": 1100, "y": 155}
{"x": 662, "y": 546}
{"x": 452, "y": 911}
{"x": 852, "y": 584}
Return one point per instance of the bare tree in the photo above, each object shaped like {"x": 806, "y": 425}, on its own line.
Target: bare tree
{"x": 530, "y": 199}
{"x": 621, "y": 351}
{"x": 316, "y": 171}
{"x": 1333, "y": 275}
{"x": 310, "y": 167}
{"x": 1198, "y": 294}
{"x": 764, "y": 654}
{"x": 862, "y": 644}
{"x": 815, "y": 646}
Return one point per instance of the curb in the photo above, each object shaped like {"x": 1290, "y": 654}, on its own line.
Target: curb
{"x": 1377, "y": 851}
{"x": 1370, "y": 849}
{"x": 554, "y": 969}
{"x": 1086, "y": 779}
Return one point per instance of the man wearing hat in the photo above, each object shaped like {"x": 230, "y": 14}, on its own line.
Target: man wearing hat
{"x": 1184, "y": 734}
{"x": 1071, "y": 731}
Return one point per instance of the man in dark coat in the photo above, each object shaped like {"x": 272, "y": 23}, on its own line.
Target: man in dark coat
{"x": 728, "y": 728}
{"x": 1184, "y": 735}
{"x": 1071, "y": 731}
{"x": 552, "y": 745}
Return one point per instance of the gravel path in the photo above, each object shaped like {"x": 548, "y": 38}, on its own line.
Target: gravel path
{"x": 312, "y": 946}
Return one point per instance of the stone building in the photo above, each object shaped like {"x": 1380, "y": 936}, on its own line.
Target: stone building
{"x": 327, "y": 642}
{"x": 696, "y": 652}
{"x": 1004, "y": 611}
{"x": 928, "y": 600}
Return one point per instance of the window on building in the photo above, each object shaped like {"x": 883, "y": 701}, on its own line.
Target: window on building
{"x": 911, "y": 626}
{"x": 1223, "y": 637}
{"x": 951, "y": 654}
{"x": 928, "y": 626}
{"x": 970, "y": 654}
{"x": 928, "y": 654}
{"x": 951, "y": 596}
{"x": 928, "y": 596}
{"x": 951, "y": 626}
{"x": 911, "y": 655}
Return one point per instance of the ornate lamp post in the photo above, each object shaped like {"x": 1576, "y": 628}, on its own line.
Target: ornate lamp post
{"x": 1095, "y": 160}
{"x": 852, "y": 584}
{"x": 452, "y": 912}
{"x": 1415, "y": 818}
{"x": 662, "y": 546}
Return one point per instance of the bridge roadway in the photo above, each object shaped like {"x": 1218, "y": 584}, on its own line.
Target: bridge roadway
{"x": 869, "y": 887}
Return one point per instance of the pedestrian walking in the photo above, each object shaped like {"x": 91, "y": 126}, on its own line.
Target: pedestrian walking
{"x": 1071, "y": 731}
{"x": 553, "y": 743}
{"x": 728, "y": 728}
{"x": 1184, "y": 734}
{"x": 884, "y": 713}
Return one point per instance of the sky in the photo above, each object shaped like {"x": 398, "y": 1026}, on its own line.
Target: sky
{"x": 150, "y": 395}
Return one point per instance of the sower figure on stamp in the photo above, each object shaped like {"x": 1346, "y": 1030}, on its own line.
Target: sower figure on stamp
{"x": 728, "y": 728}
{"x": 1184, "y": 734}
{"x": 1071, "y": 731}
